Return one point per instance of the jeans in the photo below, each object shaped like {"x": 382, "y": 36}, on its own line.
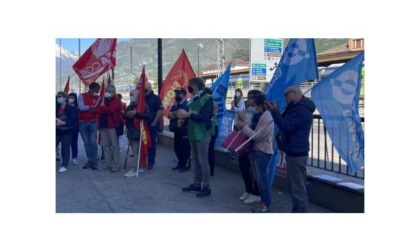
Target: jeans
{"x": 88, "y": 131}
{"x": 152, "y": 150}
{"x": 259, "y": 163}
{"x": 296, "y": 177}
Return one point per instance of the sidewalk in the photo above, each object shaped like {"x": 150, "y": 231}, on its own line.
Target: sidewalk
{"x": 154, "y": 191}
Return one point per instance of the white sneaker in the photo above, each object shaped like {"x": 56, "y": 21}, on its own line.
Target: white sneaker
{"x": 62, "y": 169}
{"x": 74, "y": 161}
{"x": 252, "y": 199}
{"x": 133, "y": 172}
{"x": 244, "y": 196}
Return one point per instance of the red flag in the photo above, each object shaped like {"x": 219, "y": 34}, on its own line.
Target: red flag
{"x": 98, "y": 58}
{"x": 141, "y": 107}
{"x": 67, "y": 87}
{"x": 177, "y": 78}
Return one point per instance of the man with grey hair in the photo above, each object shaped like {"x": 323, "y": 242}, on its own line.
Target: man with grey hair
{"x": 199, "y": 133}
{"x": 295, "y": 125}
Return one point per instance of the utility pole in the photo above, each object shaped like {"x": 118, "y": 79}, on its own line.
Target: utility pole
{"x": 220, "y": 56}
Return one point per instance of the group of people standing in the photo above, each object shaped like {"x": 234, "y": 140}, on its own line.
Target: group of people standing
{"x": 193, "y": 122}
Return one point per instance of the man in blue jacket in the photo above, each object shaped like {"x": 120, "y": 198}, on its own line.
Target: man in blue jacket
{"x": 295, "y": 126}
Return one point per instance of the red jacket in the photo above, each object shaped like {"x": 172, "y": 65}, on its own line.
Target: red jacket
{"x": 88, "y": 100}
{"x": 111, "y": 109}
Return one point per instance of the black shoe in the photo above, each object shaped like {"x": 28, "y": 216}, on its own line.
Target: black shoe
{"x": 206, "y": 192}
{"x": 87, "y": 165}
{"x": 94, "y": 166}
{"x": 184, "y": 169}
{"x": 102, "y": 158}
{"x": 192, "y": 188}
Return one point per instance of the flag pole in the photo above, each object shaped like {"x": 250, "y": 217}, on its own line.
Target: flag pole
{"x": 138, "y": 156}
{"x": 80, "y": 80}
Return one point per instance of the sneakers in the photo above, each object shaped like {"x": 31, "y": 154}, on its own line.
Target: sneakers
{"x": 62, "y": 169}
{"x": 74, "y": 161}
{"x": 150, "y": 167}
{"x": 252, "y": 199}
{"x": 132, "y": 172}
{"x": 261, "y": 208}
{"x": 244, "y": 196}
{"x": 206, "y": 192}
{"x": 192, "y": 188}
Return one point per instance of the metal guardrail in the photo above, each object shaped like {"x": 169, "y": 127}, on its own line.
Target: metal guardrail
{"x": 323, "y": 154}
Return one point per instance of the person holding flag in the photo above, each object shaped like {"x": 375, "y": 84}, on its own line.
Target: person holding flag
{"x": 133, "y": 117}
{"x": 87, "y": 103}
{"x": 295, "y": 125}
{"x": 109, "y": 118}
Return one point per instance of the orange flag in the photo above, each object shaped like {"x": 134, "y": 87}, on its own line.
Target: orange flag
{"x": 177, "y": 78}
{"x": 141, "y": 108}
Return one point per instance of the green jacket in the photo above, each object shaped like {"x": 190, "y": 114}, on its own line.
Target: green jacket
{"x": 201, "y": 108}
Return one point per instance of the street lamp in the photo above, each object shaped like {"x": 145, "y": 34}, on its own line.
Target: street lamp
{"x": 198, "y": 59}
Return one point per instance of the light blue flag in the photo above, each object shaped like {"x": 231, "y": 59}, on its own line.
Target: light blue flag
{"x": 297, "y": 64}
{"x": 337, "y": 100}
{"x": 219, "y": 89}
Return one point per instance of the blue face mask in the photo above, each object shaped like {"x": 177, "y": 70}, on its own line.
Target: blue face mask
{"x": 132, "y": 99}
{"x": 71, "y": 100}
{"x": 60, "y": 100}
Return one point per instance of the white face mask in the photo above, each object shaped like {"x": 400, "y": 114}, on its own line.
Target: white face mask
{"x": 237, "y": 94}
{"x": 132, "y": 99}
{"x": 60, "y": 100}
{"x": 71, "y": 100}
{"x": 108, "y": 94}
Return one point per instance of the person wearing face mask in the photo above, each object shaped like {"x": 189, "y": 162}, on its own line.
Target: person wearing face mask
{"x": 132, "y": 119}
{"x": 199, "y": 133}
{"x": 238, "y": 103}
{"x": 295, "y": 126}
{"x": 261, "y": 128}
{"x": 72, "y": 101}
{"x": 252, "y": 193}
{"x": 154, "y": 103}
{"x": 88, "y": 127}
{"x": 179, "y": 127}
{"x": 109, "y": 117}
{"x": 66, "y": 120}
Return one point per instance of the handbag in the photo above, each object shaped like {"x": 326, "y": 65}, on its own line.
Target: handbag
{"x": 236, "y": 139}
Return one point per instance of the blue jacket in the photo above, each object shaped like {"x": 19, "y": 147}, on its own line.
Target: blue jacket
{"x": 295, "y": 126}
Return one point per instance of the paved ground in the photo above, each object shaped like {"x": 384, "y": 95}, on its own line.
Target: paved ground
{"x": 154, "y": 191}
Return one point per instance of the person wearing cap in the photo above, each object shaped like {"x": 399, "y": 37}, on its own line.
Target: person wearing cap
{"x": 179, "y": 127}
{"x": 199, "y": 133}
{"x": 295, "y": 125}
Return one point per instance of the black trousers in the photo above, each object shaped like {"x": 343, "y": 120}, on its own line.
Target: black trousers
{"x": 250, "y": 182}
{"x": 211, "y": 150}
{"x": 65, "y": 140}
{"x": 182, "y": 148}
